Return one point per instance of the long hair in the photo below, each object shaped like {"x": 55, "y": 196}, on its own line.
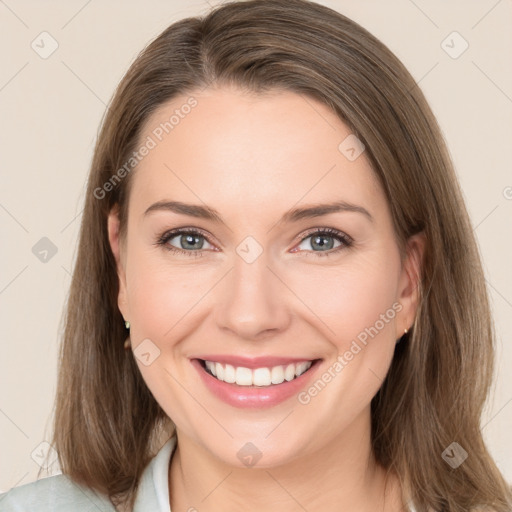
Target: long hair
{"x": 107, "y": 423}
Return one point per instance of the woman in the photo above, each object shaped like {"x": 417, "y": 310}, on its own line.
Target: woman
{"x": 277, "y": 286}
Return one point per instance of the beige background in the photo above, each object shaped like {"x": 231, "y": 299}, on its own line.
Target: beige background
{"x": 50, "y": 112}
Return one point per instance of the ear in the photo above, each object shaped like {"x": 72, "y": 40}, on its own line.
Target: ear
{"x": 120, "y": 257}
{"x": 410, "y": 281}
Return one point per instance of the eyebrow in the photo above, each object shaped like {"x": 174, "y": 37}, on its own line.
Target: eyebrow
{"x": 293, "y": 215}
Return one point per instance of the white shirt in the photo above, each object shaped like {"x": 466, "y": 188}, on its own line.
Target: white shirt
{"x": 59, "y": 493}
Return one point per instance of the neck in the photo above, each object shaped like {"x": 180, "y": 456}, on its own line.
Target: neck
{"x": 343, "y": 472}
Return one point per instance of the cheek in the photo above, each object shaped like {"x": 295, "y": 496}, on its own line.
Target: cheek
{"x": 351, "y": 297}
{"x": 347, "y": 298}
{"x": 164, "y": 300}
{"x": 162, "y": 292}
{"x": 358, "y": 306}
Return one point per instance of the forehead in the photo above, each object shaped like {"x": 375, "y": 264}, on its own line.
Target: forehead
{"x": 230, "y": 148}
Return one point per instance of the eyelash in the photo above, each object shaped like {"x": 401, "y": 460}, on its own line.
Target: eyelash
{"x": 346, "y": 241}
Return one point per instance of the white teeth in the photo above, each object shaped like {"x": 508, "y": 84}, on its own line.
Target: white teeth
{"x": 301, "y": 368}
{"x": 229, "y": 374}
{"x": 277, "y": 375}
{"x": 210, "y": 366}
{"x": 259, "y": 376}
{"x": 243, "y": 376}
{"x": 289, "y": 373}
{"x": 219, "y": 371}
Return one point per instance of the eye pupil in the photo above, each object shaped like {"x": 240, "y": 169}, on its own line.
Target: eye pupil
{"x": 188, "y": 240}
{"x": 323, "y": 246}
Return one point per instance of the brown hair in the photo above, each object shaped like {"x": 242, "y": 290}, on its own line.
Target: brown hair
{"x": 107, "y": 423}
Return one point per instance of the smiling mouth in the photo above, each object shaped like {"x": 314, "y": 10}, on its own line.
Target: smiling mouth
{"x": 256, "y": 377}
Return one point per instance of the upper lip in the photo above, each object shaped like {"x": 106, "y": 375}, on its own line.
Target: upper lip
{"x": 253, "y": 362}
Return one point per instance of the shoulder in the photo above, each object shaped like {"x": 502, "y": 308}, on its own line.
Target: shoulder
{"x": 56, "y": 493}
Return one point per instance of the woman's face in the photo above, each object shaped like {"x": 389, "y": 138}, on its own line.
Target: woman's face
{"x": 253, "y": 290}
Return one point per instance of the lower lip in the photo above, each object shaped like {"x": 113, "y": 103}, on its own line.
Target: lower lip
{"x": 254, "y": 396}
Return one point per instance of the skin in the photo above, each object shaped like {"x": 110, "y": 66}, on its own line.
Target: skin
{"x": 253, "y": 158}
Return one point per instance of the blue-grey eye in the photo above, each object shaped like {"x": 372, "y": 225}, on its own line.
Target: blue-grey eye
{"x": 319, "y": 242}
{"x": 188, "y": 241}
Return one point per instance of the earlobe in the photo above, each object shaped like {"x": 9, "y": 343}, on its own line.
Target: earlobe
{"x": 410, "y": 281}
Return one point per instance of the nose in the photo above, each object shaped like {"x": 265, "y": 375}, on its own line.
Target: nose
{"x": 252, "y": 302}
